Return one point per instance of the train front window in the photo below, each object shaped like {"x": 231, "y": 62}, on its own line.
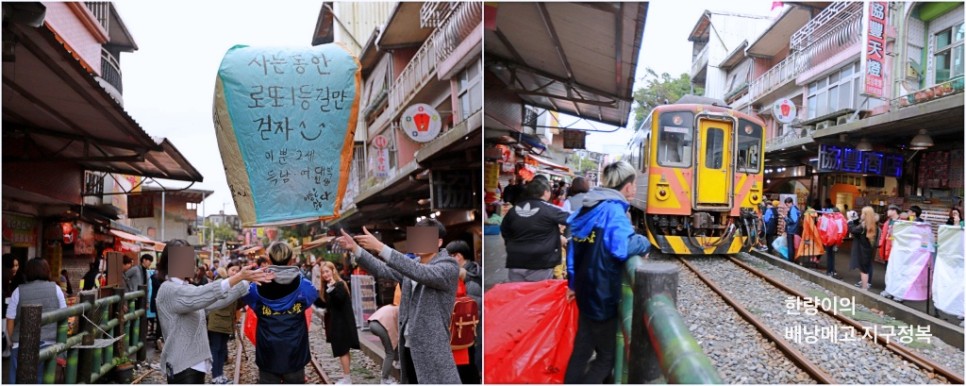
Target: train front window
{"x": 749, "y": 146}
{"x": 675, "y": 140}
{"x": 715, "y": 149}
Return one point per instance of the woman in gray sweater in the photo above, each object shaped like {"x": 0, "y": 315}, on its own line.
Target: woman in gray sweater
{"x": 181, "y": 311}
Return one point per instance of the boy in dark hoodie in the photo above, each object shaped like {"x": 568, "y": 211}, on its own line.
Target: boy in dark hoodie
{"x": 603, "y": 239}
{"x": 282, "y": 337}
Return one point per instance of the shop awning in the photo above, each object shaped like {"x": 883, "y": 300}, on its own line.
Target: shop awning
{"x": 54, "y": 109}
{"x": 548, "y": 163}
{"x": 575, "y": 58}
{"x": 132, "y": 237}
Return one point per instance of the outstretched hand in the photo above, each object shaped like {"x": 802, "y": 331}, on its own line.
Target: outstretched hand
{"x": 257, "y": 276}
{"x": 346, "y": 242}
{"x": 368, "y": 241}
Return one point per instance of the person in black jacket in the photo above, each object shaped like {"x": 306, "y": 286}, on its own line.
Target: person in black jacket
{"x": 531, "y": 231}
{"x": 340, "y": 322}
{"x": 281, "y": 335}
{"x": 511, "y": 193}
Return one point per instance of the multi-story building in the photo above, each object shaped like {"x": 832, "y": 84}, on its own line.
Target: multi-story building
{"x": 178, "y": 218}
{"x": 872, "y": 93}
{"x": 542, "y": 59}
{"x": 68, "y": 144}
{"x": 424, "y": 62}
{"x": 714, "y": 36}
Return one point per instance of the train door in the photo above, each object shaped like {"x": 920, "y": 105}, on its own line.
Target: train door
{"x": 714, "y": 154}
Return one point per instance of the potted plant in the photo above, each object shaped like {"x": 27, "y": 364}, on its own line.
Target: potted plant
{"x": 123, "y": 370}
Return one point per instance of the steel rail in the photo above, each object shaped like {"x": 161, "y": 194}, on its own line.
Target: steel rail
{"x": 793, "y": 354}
{"x": 902, "y": 351}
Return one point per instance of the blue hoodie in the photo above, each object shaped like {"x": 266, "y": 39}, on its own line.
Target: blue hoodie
{"x": 603, "y": 239}
{"x": 282, "y": 337}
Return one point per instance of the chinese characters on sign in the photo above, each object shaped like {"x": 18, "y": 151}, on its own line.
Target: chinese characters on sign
{"x": 380, "y": 157}
{"x": 284, "y": 118}
{"x": 873, "y": 56}
{"x": 454, "y": 189}
{"x": 846, "y": 159}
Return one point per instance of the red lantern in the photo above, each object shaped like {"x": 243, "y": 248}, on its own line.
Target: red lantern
{"x": 67, "y": 229}
{"x": 422, "y": 121}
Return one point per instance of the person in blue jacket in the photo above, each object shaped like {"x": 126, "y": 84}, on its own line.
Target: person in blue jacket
{"x": 792, "y": 222}
{"x": 282, "y": 336}
{"x": 602, "y": 240}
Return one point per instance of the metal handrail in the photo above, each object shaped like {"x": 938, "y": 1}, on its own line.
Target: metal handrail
{"x": 782, "y": 72}
{"x": 111, "y": 70}
{"x": 454, "y": 29}
{"x": 700, "y": 60}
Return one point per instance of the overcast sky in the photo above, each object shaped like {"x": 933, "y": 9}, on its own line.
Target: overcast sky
{"x": 169, "y": 81}
{"x": 666, "y": 48}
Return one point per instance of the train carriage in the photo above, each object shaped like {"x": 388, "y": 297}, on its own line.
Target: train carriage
{"x": 700, "y": 179}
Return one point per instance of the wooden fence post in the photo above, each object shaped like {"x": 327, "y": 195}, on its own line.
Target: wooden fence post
{"x": 28, "y": 357}
{"x": 652, "y": 278}
{"x": 143, "y": 305}
{"x": 87, "y": 324}
{"x": 120, "y": 347}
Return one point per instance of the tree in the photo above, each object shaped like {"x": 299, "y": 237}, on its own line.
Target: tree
{"x": 660, "y": 89}
{"x": 223, "y": 232}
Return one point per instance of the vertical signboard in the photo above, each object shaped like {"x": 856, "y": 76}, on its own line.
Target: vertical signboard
{"x": 874, "y": 46}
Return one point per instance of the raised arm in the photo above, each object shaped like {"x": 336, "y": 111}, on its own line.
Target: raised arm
{"x": 374, "y": 266}
{"x": 441, "y": 274}
{"x": 183, "y": 299}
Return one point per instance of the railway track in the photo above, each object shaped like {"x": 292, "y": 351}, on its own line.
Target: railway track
{"x": 314, "y": 373}
{"x": 739, "y": 285}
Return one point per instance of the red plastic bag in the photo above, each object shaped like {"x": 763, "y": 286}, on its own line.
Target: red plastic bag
{"x": 251, "y": 322}
{"x": 530, "y": 329}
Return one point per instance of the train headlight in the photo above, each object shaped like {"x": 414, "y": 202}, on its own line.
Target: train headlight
{"x": 662, "y": 194}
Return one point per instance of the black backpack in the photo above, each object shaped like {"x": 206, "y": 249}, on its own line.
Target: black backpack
{"x": 771, "y": 227}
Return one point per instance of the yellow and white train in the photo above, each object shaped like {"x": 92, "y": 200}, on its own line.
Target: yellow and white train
{"x": 700, "y": 179}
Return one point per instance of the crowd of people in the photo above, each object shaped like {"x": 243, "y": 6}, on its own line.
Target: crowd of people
{"x": 584, "y": 236}
{"x": 196, "y": 315}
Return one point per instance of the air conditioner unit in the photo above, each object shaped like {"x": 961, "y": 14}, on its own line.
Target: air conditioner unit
{"x": 842, "y": 120}
{"x": 824, "y": 125}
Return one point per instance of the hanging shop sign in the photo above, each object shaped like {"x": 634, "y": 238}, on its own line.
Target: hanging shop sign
{"x": 784, "y": 110}
{"x": 421, "y": 122}
{"x": 379, "y": 157}
{"x": 833, "y": 158}
{"x": 874, "y": 45}
{"x": 19, "y": 230}
{"x": 140, "y": 205}
{"x": 574, "y": 139}
{"x": 285, "y": 120}
{"x": 454, "y": 189}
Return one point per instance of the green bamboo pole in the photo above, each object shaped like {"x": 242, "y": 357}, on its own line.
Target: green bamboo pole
{"x": 681, "y": 359}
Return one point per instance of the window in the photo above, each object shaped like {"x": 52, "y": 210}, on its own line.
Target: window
{"x": 714, "y": 149}
{"x": 836, "y": 91}
{"x": 675, "y": 139}
{"x": 749, "y": 146}
{"x": 949, "y": 53}
{"x": 470, "y": 90}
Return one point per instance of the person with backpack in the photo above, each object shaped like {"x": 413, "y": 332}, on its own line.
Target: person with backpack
{"x": 602, "y": 240}
{"x": 462, "y": 331}
{"x": 770, "y": 218}
{"x": 832, "y": 229}
{"x": 470, "y": 275}
{"x": 428, "y": 295}
{"x": 865, "y": 232}
{"x": 281, "y": 335}
{"x": 340, "y": 322}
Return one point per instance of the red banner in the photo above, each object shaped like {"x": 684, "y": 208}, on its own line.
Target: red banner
{"x": 875, "y": 45}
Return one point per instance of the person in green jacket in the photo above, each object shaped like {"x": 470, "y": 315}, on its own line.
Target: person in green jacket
{"x": 221, "y": 325}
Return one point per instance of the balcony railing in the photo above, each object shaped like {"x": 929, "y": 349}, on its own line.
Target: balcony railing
{"x": 778, "y": 75}
{"x": 837, "y": 26}
{"x": 788, "y": 136}
{"x": 456, "y": 28}
{"x": 111, "y": 70}
{"x": 433, "y": 13}
{"x": 700, "y": 61}
{"x": 417, "y": 73}
{"x": 101, "y": 11}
